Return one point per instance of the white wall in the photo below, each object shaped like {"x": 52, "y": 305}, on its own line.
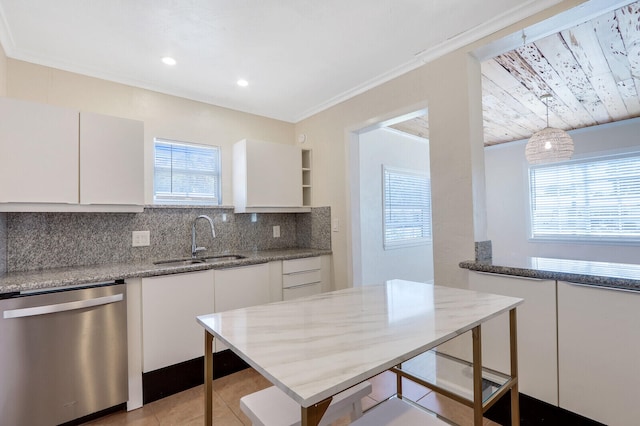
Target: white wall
{"x": 507, "y": 196}
{"x": 3, "y": 72}
{"x": 400, "y": 150}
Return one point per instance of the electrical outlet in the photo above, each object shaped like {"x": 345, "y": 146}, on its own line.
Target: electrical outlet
{"x": 336, "y": 225}
{"x": 276, "y": 231}
{"x": 140, "y": 238}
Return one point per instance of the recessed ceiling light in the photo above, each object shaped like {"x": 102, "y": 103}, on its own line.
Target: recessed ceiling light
{"x": 243, "y": 83}
{"x": 168, "y": 60}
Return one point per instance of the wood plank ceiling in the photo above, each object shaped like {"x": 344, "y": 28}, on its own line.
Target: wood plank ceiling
{"x": 591, "y": 71}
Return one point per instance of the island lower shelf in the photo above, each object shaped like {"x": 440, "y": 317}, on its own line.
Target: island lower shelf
{"x": 454, "y": 378}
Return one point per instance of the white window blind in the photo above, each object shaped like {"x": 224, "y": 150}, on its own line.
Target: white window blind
{"x": 407, "y": 207}
{"x": 595, "y": 199}
{"x": 186, "y": 173}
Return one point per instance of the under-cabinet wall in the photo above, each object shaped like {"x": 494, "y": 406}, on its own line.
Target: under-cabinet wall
{"x": 48, "y": 240}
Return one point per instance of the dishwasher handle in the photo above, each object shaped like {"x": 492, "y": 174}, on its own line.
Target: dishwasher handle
{"x": 62, "y": 307}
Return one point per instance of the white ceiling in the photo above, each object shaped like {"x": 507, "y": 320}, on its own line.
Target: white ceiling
{"x": 299, "y": 56}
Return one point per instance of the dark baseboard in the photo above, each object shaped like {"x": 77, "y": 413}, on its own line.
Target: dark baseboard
{"x": 101, "y": 413}
{"x": 176, "y": 378}
{"x": 536, "y": 412}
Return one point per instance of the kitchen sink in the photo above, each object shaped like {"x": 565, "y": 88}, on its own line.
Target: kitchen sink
{"x": 199, "y": 260}
{"x": 178, "y": 262}
{"x": 221, "y": 257}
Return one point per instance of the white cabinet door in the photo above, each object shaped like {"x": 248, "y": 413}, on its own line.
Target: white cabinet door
{"x": 536, "y": 328}
{"x": 170, "y": 304}
{"x": 111, "y": 160}
{"x": 38, "y": 153}
{"x": 266, "y": 176}
{"x": 240, "y": 288}
{"x": 599, "y": 351}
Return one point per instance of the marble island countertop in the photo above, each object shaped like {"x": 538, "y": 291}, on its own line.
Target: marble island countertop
{"x": 314, "y": 347}
{"x": 59, "y": 277}
{"x": 622, "y": 276}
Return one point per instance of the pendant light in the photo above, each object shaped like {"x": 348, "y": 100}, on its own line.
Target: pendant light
{"x": 549, "y": 144}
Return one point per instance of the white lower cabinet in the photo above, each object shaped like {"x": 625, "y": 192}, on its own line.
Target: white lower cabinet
{"x": 536, "y": 328}
{"x": 301, "y": 277}
{"x": 240, "y": 288}
{"x": 170, "y": 304}
{"x": 598, "y": 353}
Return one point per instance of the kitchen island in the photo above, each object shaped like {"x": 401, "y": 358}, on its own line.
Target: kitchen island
{"x": 318, "y": 346}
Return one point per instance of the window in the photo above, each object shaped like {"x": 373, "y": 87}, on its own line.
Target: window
{"x": 186, "y": 173}
{"x": 596, "y": 199}
{"x": 407, "y": 207}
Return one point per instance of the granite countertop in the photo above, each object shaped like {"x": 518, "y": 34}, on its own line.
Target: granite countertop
{"x": 59, "y": 277}
{"x": 622, "y": 276}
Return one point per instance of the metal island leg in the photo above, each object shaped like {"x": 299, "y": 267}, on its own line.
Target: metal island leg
{"x": 513, "y": 337}
{"x": 208, "y": 378}
{"x": 478, "y": 412}
{"x": 312, "y": 415}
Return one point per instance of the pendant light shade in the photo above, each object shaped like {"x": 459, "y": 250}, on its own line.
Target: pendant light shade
{"x": 549, "y": 144}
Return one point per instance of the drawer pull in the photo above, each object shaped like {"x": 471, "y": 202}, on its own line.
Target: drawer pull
{"x": 301, "y": 272}
{"x": 508, "y": 275}
{"x": 302, "y": 285}
{"x": 601, "y": 287}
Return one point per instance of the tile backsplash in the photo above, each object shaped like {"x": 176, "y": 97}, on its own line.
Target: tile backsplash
{"x": 46, "y": 240}
{"x": 3, "y": 243}
{"x": 484, "y": 250}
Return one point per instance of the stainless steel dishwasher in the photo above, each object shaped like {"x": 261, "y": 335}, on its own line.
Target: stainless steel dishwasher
{"x": 63, "y": 353}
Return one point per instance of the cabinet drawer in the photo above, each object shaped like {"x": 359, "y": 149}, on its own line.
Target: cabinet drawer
{"x": 298, "y": 265}
{"x": 292, "y": 280}
{"x": 301, "y": 291}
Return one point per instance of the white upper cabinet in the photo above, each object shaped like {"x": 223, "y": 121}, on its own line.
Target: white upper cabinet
{"x": 267, "y": 177}
{"x": 111, "y": 160}
{"x": 58, "y": 159}
{"x": 39, "y": 153}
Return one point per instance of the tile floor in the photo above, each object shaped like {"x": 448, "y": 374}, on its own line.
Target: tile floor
{"x": 187, "y": 408}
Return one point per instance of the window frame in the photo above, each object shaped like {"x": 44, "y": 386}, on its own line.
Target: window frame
{"x": 581, "y": 239}
{"x": 170, "y": 199}
{"x": 421, "y": 241}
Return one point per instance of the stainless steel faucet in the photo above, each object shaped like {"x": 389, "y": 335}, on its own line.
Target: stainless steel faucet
{"x": 194, "y": 247}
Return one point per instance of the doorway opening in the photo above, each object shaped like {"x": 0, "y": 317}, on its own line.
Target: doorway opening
{"x": 391, "y": 201}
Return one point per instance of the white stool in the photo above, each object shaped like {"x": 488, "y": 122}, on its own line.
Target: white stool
{"x": 272, "y": 407}
{"x": 397, "y": 412}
